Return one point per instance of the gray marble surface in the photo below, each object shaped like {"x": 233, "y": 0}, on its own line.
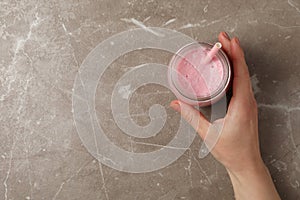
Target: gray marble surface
{"x": 43, "y": 44}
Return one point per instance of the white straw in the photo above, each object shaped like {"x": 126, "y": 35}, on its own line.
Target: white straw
{"x": 212, "y": 53}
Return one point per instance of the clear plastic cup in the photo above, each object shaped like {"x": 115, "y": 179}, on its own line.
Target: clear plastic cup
{"x": 195, "y": 82}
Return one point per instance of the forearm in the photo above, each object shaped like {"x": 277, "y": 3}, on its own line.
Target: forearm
{"x": 255, "y": 183}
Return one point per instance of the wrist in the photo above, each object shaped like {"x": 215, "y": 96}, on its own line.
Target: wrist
{"x": 253, "y": 182}
{"x": 254, "y": 168}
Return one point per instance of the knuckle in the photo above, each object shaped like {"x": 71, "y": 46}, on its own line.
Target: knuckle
{"x": 254, "y": 103}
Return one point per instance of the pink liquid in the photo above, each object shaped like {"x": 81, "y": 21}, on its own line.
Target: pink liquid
{"x": 203, "y": 81}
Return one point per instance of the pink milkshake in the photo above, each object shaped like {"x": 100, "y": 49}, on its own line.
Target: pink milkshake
{"x": 198, "y": 78}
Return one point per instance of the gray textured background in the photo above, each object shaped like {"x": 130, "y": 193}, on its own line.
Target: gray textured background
{"x": 43, "y": 44}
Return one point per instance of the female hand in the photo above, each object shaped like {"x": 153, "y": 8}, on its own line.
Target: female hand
{"x": 238, "y": 145}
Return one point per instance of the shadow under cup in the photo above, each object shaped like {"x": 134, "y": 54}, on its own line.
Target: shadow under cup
{"x": 195, "y": 83}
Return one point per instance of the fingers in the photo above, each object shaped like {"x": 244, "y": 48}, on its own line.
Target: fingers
{"x": 235, "y": 52}
{"x": 241, "y": 79}
{"x": 192, "y": 116}
{"x": 238, "y": 59}
{"x": 225, "y": 40}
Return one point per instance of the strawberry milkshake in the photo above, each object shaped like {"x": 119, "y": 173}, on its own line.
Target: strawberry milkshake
{"x": 199, "y": 74}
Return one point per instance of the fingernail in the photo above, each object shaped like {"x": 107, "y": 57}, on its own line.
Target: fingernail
{"x": 175, "y": 105}
{"x": 226, "y": 35}
{"x": 236, "y": 40}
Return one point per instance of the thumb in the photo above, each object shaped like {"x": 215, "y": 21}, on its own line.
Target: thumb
{"x": 195, "y": 118}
